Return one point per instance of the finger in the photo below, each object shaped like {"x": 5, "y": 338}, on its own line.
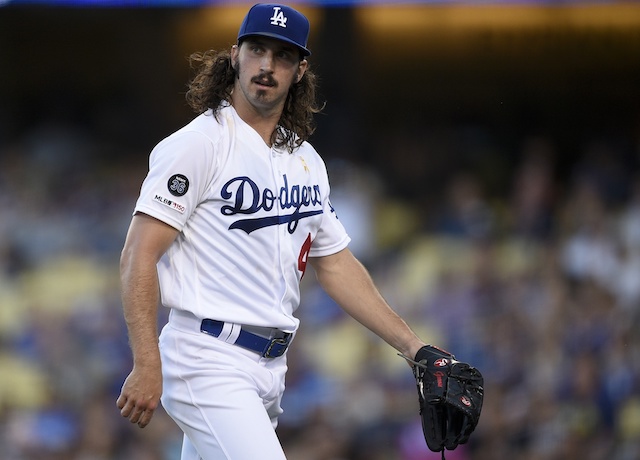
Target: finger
{"x": 127, "y": 408}
{"x": 145, "y": 418}
{"x": 121, "y": 401}
{"x": 135, "y": 416}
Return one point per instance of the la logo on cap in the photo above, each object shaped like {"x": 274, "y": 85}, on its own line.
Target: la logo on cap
{"x": 276, "y": 21}
{"x": 278, "y": 18}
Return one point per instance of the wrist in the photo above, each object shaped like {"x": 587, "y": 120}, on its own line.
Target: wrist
{"x": 412, "y": 349}
{"x": 148, "y": 360}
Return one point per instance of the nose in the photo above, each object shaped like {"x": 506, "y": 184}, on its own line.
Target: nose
{"x": 267, "y": 61}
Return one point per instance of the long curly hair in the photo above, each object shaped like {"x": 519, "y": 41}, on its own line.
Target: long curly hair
{"x": 213, "y": 84}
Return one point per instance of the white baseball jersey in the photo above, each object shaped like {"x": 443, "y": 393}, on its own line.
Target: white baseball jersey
{"x": 249, "y": 216}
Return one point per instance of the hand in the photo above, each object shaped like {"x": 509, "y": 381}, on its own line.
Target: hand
{"x": 140, "y": 395}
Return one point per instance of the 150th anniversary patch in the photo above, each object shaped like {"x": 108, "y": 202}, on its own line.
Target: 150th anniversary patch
{"x": 178, "y": 185}
{"x": 170, "y": 203}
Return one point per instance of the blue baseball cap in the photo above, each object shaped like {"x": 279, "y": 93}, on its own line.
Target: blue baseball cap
{"x": 277, "y": 21}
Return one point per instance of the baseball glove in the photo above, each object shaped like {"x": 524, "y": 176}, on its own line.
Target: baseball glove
{"x": 450, "y": 394}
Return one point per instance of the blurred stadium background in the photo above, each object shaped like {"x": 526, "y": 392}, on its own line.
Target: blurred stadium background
{"x": 484, "y": 156}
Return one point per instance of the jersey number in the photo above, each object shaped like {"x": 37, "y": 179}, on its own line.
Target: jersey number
{"x": 304, "y": 255}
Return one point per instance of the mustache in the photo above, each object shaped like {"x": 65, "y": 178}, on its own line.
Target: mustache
{"x": 265, "y": 79}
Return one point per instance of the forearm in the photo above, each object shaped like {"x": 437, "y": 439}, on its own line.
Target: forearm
{"x": 140, "y": 298}
{"x": 348, "y": 282}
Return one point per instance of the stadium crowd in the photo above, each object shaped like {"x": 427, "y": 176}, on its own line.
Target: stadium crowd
{"x": 538, "y": 286}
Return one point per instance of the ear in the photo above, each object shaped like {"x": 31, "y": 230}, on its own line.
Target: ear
{"x": 302, "y": 68}
{"x": 235, "y": 49}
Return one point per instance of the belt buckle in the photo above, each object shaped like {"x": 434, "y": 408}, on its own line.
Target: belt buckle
{"x": 283, "y": 342}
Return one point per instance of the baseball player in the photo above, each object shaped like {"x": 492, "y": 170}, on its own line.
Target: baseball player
{"x": 234, "y": 207}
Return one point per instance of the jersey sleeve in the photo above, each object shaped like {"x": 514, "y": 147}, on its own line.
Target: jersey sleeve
{"x": 332, "y": 236}
{"x": 180, "y": 171}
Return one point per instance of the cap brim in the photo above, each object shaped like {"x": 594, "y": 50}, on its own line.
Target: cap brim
{"x": 302, "y": 49}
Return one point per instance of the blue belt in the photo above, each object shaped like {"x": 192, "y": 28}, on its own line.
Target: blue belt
{"x": 267, "y": 348}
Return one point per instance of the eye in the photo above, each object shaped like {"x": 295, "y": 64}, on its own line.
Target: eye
{"x": 256, "y": 48}
{"x": 288, "y": 55}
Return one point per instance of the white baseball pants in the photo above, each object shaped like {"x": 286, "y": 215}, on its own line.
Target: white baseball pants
{"x": 225, "y": 399}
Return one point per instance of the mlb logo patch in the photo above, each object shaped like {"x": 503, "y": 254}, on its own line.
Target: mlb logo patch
{"x": 170, "y": 204}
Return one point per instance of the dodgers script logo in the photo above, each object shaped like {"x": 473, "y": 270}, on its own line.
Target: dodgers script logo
{"x": 278, "y": 18}
{"x": 249, "y": 199}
